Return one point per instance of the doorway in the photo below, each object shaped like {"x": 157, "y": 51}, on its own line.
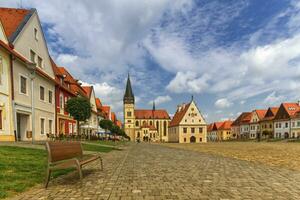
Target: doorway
{"x": 23, "y": 127}
{"x": 193, "y": 139}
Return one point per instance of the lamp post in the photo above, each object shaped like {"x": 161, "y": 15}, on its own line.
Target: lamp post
{"x": 32, "y": 69}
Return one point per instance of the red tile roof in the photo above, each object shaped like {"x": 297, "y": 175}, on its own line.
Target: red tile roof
{"x": 226, "y": 125}
{"x": 179, "y": 115}
{"x": 88, "y": 90}
{"x": 11, "y": 19}
{"x": 244, "y": 118}
{"x": 151, "y": 114}
{"x": 270, "y": 114}
{"x": 209, "y": 127}
{"x": 113, "y": 117}
{"x": 291, "y": 108}
{"x": 106, "y": 110}
{"x": 260, "y": 113}
{"x": 98, "y": 104}
{"x": 119, "y": 123}
{"x": 217, "y": 125}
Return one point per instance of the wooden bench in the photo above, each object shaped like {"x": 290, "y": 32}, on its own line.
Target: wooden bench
{"x": 63, "y": 155}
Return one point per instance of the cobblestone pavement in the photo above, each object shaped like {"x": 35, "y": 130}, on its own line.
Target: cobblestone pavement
{"x": 145, "y": 171}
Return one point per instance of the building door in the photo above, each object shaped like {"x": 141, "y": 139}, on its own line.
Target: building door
{"x": 23, "y": 127}
{"x": 286, "y": 135}
{"x": 193, "y": 139}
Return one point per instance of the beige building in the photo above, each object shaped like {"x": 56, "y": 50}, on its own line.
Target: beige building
{"x": 90, "y": 127}
{"x": 33, "y": 84}
{"x": 255, "y": 128}
{"x": 188, "y": 125}
{"x": 6, "y": 117}
{"x": 141, "y": 124}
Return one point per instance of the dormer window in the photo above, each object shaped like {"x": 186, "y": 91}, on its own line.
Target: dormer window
{"x": 36, "y": 34}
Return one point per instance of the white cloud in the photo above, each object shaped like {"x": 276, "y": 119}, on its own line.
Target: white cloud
{"x": 273, "y": 99}
{"x": 160, "y": 100}
{"x": 66, "y": 59}
{"x": 223, "y": 103}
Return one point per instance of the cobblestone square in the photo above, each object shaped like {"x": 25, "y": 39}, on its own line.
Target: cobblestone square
{"x": 148, "y": 171}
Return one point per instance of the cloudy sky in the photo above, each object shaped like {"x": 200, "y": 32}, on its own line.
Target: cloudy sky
{"x": 232, "y": 55}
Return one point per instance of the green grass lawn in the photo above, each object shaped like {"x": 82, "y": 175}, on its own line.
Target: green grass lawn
{"x": 22, "y": 168}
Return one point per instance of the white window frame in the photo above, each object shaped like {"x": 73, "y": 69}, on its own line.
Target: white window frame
{"x": 35, "y": 55}
{"x": 27, "y": 88}
{"x": 42, "y": 63}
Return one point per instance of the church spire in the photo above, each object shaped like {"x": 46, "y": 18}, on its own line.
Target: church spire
{"x": 128, "y": 96}
{"x": 153, "y": 106}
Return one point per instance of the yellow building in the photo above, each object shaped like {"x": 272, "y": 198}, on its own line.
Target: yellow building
{"x": 267, "y": 124}
{"x": 188, "y": 125}
{"x": 224, "y": 131}
{"x": 6, "y": 118}
{"x": 141, "y": 124}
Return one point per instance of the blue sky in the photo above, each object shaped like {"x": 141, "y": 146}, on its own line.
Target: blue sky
{"x": 232, "y": 55}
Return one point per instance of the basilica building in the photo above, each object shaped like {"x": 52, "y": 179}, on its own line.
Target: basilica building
{"x": 144, "y": 124}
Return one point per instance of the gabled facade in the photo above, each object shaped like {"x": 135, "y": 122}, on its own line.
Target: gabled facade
{"x": 100, "y": 115}
{"x": 295, "y": 125}
{"x": 90, "y": 127}
{"x": 33, "y": 84}
{"x": 266, "y": 124}
{"x": 241, "y": 126}
{"x": 282, "y": 119}
{"x": 256, "y": 117}
{"x": 6, "y": 117}
{"x": 65, "y": 124}
{"x": 224, "y": 131}
{"x": 188, "y": 125}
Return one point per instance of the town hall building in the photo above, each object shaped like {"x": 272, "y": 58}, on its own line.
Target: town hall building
{"x": 143, "y": 124}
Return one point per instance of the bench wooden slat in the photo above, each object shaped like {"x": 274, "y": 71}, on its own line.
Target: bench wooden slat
{"x": 62, "y": 155}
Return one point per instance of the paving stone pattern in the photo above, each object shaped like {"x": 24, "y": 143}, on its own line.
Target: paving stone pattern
{"x": 150, "y": 171}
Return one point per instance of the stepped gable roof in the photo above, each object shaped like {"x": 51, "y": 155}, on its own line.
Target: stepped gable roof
{"x": 13, "y": 20}
{"x": 243, "y": 118}
{"x": 226, "y": 125}
{"x": 151, "y": 114}
{"x": 179, "y": 115}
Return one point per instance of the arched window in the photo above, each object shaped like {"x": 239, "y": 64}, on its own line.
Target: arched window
{"x": 137, "y": 123}
{"x": 165, "y": 128}
{"x": 138, "y": 134}
{"x": 157, "y": 125}
{"x": 150, "y": 123}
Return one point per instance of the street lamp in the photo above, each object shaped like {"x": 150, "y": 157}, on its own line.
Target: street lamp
{"x": 32, "y": 69}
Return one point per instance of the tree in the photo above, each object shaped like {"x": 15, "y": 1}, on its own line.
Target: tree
{"x": 80, "y": 109}
{"x": 106, "y": 124}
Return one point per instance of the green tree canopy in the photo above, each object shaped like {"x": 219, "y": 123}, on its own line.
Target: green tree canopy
{"x": 79, "y": 108}
{"x": 106, "y": 124}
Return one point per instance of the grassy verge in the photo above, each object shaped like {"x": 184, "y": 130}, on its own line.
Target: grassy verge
{"x": 22, "y": 168}
{"x": 97, "y": 148}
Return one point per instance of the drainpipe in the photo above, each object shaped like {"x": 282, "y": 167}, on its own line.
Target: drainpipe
{"x": 12, "y": 58}
{"x": 32, "y": 67}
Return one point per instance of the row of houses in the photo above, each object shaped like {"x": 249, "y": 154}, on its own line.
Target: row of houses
{"x": 33, "y": 89}
{"x": 275, "y": 122}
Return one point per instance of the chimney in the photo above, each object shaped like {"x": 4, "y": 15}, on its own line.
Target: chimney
{"x": 178, "y": 108}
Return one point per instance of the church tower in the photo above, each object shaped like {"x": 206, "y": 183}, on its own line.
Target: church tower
{"x": 129, "y": 118}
